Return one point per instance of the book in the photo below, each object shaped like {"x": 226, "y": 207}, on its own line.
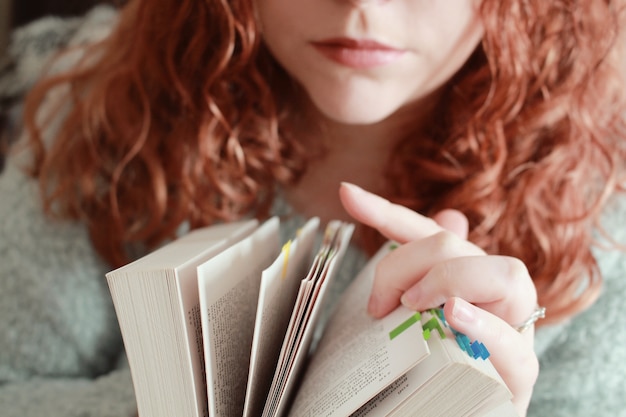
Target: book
{"x": 228, "y": 321}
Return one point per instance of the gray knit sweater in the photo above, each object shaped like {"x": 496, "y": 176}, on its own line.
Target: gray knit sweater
{"x": 61, "y": 352}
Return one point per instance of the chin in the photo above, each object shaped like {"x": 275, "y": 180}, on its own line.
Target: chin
{"x": 356, "y": 119}
{"x": 360, "y": 112}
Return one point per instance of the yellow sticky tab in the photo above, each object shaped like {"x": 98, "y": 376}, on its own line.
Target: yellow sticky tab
{"x": 286, "y": 249}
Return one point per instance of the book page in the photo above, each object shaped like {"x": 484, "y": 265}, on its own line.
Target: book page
{"x": 221, "y": 237}
{"x": 336, "y": 239}
{"x": 277, "y": 297}
{"x": 229, "y": 290}
{"x": 410, "y": 383}
{"x": 293, "y": 329}
{"x": 154, "y": 297}
{"x": 359, "y": 356}
{"x": 450, "y": 381}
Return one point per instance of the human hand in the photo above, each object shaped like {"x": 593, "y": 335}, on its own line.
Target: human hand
{"x": 484, "y": 295}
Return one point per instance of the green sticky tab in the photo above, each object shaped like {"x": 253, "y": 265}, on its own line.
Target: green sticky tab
{"x": 405, "y": 325}
{"x": 430, "y": 325}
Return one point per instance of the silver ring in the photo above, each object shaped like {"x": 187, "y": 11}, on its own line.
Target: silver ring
{"x": 539, "y": 313}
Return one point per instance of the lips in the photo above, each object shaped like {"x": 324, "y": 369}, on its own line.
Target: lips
{"x": 358, "y": 53}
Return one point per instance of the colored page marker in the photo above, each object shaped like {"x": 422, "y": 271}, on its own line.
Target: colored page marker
{"x": 405, "y": 325}
{"x": 430, "y": 325}
{"x": 286, "y": 249}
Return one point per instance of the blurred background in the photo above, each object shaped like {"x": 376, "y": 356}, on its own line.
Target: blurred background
{"x": 5, "y": 22}
{"x": 15, "y": 13}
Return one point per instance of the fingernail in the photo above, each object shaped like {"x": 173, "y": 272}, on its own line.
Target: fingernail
{"x": 410, "y": 299}
{"x": 361, "y": 192}
{"x": 463, "y": 311}
{"x": 350, "y": 185}
{"x": 355, "y": 189}
{"x": 373, "y": 305}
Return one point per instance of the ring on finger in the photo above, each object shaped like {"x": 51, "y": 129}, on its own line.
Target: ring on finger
{"x": 539, "y": 313}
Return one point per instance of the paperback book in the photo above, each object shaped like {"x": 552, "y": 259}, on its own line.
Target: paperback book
{"x": 225, "y": 321}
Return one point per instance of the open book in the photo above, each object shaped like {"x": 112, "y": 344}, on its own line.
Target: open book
{"x": 224, "y": 322}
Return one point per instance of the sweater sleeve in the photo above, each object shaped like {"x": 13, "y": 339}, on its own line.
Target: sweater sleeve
{"x": 60, "y": 345}
{"x": 61, "y": 351}
{"x": 583, "y": 369}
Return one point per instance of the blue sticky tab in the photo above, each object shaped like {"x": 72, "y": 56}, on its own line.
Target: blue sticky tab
{"x": 480, "y": 351}
{"x": 463, "y": 342}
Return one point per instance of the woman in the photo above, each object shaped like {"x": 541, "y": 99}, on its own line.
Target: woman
{"x": 500, "y": 120}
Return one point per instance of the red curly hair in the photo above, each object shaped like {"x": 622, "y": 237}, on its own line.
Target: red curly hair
{"x": 178, "y": 116}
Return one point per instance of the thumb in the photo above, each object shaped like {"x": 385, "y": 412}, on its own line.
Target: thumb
{"x": 453, "y": 221}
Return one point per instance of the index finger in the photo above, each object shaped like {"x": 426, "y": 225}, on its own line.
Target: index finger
{"x": 394, "y": 221}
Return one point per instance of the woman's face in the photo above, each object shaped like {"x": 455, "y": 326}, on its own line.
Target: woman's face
{"x": 362, "y": 60}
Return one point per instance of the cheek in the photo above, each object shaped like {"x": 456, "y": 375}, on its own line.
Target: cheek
{"x": 281, "y": 18}
{"x": 446, "y": 48}
{"x": 443, "y": 33}
{"x": 272, "y": 18}
{"x": 278, "y": 24}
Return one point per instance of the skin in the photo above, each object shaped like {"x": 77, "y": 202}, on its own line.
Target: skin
{"x": 360, "y": 114}
{"x": 436, "y": 265}
{"x": 436, "y": 36}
